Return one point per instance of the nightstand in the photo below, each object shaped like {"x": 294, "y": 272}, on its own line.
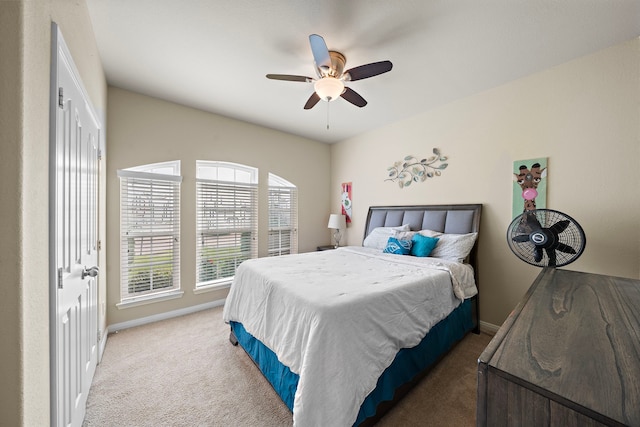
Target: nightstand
{"x": 326, "y": 248}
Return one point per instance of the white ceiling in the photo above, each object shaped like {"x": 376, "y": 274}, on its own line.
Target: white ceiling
{"x": 214, "y": 54}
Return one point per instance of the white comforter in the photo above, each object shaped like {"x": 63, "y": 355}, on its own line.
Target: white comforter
{"x": 337, "y": 318}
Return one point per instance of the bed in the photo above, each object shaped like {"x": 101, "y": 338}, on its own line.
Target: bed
{"x": 342, "y": 335}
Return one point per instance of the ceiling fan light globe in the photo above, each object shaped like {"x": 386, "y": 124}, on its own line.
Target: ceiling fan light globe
{"x": 328, "y": 88}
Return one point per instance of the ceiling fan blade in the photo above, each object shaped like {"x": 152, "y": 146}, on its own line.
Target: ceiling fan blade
{"x": 565, "y": 248}
{"x": 312, "y": 101}
{"x": 289, "y": 78}
{"x": 368, "y": 70}
{"x": 320, "y": 52}
{"x": 560, "y": 226}
{"x": 353, "y": 97}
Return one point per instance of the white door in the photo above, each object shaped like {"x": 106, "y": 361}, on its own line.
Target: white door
{"x": 74, "y": 151}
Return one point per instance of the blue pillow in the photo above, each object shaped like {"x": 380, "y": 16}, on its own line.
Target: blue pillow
{"x": 422, "y": 245}
{"x": 397, "y": 246}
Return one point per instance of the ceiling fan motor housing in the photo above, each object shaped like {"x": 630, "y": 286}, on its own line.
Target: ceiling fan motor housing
{"x": 338, "y": 61}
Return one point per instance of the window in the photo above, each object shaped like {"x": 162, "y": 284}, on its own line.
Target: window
{"x": 149, "y": 231}
{"x": 283, "y": 217}
{"x": 226, "y": 220}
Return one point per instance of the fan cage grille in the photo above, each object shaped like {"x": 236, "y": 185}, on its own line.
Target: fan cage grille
{"x": 573, "y": 236}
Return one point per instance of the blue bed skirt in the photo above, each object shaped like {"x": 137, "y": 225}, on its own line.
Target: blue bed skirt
{"x": 408, "y": 363}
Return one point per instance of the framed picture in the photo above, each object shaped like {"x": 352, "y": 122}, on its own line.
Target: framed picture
{"x": 346, "y": 200}
{"x": 529, "y": 185}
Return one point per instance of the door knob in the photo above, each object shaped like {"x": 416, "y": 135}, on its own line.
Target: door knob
{"x": 93, "y": 272}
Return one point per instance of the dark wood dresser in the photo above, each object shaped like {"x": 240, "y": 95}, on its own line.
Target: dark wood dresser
{"x": 568, "y": 355}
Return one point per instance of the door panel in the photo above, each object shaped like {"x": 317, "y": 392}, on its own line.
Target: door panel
{"x": 74, "y": 175}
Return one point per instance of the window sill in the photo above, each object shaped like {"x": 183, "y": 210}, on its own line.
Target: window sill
{"x": 212, "y": 287}
{"x": 150, "y": 299}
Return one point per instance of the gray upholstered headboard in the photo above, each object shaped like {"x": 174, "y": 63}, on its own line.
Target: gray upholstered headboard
{"x": 455, "y": 219}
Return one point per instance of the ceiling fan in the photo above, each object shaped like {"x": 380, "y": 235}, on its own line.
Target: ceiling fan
{"x": 329, "y": 66}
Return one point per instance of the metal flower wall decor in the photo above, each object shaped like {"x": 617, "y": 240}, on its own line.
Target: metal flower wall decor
{"x": 409, "y": 170}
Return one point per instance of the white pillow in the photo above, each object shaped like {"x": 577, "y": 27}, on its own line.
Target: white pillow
{"x": 379, "y": 236}
{"x": 454, "y": 247}
{"x": 405, "y": 235}
{"x": 430, "y": 233}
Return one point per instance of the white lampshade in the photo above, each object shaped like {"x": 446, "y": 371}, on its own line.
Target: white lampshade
{"x": 337, "y": 222}
{"x": 328, "y": 88}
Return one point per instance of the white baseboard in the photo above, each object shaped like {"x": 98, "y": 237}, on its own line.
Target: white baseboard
{"x": 102, "y": 344}
{"x": 163, "y": 316}
{"x": 488, "y": 328}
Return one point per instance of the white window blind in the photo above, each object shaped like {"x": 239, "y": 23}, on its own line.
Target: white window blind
{"x": 149, "y": 234}
{"x": 283, "y": 217}
{"x": 227, "y": 220}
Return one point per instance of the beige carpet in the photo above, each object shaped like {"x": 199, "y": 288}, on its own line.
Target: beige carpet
{"x": 184, "y": 372}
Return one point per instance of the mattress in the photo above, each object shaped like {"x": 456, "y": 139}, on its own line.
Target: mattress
{"x": 337, "y": 319}
{"x": 408, "y": 365}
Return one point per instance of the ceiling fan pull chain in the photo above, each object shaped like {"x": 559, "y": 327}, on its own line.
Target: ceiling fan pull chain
{"x": 328, "y": 115}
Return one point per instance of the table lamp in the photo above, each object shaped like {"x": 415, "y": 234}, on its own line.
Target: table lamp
{"x": 338, "y": 223}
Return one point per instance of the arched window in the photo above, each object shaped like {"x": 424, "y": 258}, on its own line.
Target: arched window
{"x": 149, "y": 231}
{"x": 283, "y": 216}
{"x": 226, "y": 220}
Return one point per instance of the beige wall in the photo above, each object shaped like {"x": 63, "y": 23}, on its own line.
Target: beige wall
{"x": 583, "y": 115}
{"x": 146, "y": 130}
{"x": 11, "y": 281}
{"x": 25, "y": 28}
